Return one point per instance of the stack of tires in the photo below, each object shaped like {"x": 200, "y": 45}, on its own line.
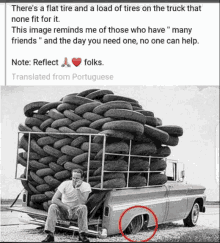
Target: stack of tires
{"x": 56, "y": 151}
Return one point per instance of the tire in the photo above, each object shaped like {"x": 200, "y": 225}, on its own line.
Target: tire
{"x": 192, "y": 218}
{"x": 55, "y": 167}
{"x": 45, "y": 172}
{"x": 135, "y": 225}
{"x": 62, "y": 175}
{"x": 82, "y": 158}
{"x": 36, "y": 178}
{"x": 45, "y": 206}
{"x": 113, "y": 183}
{"x": 52, "y": 151}
{"x": 55, "y": 114}
{"x": 86, "y": 92}
{"x": 23, "y": 143}
{"x": 47, "y": 160}
{"x": 46, "y": 140}
{"x": 156, "y": 133}
{"x": 98, "y": 94}
{"x": 116, "y": 165}
{"x": 37, "y": 129}
{"x": 92, "y": 116}
{"x": 101, "y": 109}
{"x": 76, "y": 100}
{"x": 44, "y": 125}
{"x": 87, "y": 130}
{"x": 33, "y": 189}
{"x": 158, "y": 165}
{"x": 49, "y": 194}
{"x": 107, "y": 176}
{"x": 64, "y": 158}
{"x": 142, "y": 139}
{"x": 159, "y": 122}
{"x": 36, "y": 165}
{"x": 80, "y": 140}
{"x": 41, "y": 117}
{"x": 138, "y": 164}
{"x": 30, "y": 122}
{"x": 146, "y": 113}
{"x": 80, "y": 123}
{"x": 62, "y": 142}
{"x": 31, "y": 107}
{"x": 37, "y": 148}
{"x": 88, "y": 107}
{"x": 144, "y": 149}
{"x": 123, "y": 114}
{"x": 94, "y": 147}
{"x": 123, "y": 125}
{"x": 163, "y": 151}
{"x": 48, "y": 107}
{"x": 72, "y": 115}
{"x": 99, "y": 123}
{"x": 52, "y": 182}
{"x": 24, "y": 128}
{"x": 157, "y": 179}
{"x": 94, "y": 164}
{"x": 40, "y": 198}
{"x": 151, "y": 121}
{"x": 65, "y": 106}
{"x": 67, "y": 130}
{"x": 172, "y": 130}
{"x": 25, "y": 185}
{"x": 120, "y": 147}
{"x": 32, "y": 155}
{"x": 72, "y": 151}
{"x": 61, "y": 122}
{"x": 137, "y": 181}
{"x": 112, "y": 97}
{"x": 70, "y": 166}
{"x": 43, "y": 188}
{"x": 114, "y": 134}
{"x": 172, "y": 141}
{"x": 50, "y": 132}
{"x": 21, "y": 161}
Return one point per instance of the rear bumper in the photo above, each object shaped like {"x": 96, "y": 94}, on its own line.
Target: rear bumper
{"x": 26, "y": 219}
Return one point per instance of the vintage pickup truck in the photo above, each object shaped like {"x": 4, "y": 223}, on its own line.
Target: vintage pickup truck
{"x": 174, "y": 200}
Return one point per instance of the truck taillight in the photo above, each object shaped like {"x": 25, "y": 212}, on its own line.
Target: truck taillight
{"x": 106, "y": 211}
{"x": 24, "y": 197}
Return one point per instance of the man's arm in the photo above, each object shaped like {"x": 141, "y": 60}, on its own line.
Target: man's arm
{"x": 82, "y": 196}
{"x": 57, "y": 200}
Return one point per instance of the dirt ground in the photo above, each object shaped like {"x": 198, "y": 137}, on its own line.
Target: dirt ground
{"x": 207, "y": 230}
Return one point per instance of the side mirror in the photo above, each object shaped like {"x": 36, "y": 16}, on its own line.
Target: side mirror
{"x": 182, "y": 174}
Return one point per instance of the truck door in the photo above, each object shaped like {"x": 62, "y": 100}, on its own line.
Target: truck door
{"x": 177, "y": 194}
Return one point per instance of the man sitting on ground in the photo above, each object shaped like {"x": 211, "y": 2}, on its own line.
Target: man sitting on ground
{"x": 69, "y": 203}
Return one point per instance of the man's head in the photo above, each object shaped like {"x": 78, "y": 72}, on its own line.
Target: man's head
{"x": 77, "y": 176}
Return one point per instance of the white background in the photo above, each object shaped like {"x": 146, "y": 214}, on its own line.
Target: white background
{"x": 130, "y": 64}
{"x": 2, "y": 44}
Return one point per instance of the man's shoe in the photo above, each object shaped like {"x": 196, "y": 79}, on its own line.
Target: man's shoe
{"x": 49, "y": 238}
{"x": 83, "y": 238}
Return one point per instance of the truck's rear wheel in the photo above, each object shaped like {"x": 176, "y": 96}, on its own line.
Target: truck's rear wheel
{"x": 135, "y": 225}
{"x": 193, "y": 216}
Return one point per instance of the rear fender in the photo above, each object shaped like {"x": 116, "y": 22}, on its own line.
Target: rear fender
{"x": 131, "y": 214}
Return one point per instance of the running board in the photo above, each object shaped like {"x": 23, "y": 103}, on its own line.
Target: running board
{"x": 101, "y": 235}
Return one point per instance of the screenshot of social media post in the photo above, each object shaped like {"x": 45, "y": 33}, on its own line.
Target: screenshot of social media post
{"x": 110, "y": 43}
{"x": 47, "y": 131}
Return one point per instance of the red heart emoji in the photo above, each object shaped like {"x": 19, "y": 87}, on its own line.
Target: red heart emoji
{"x": 76, "y": 61}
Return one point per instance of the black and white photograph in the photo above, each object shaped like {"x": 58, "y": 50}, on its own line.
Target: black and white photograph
{"x": 88, "y": 163}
